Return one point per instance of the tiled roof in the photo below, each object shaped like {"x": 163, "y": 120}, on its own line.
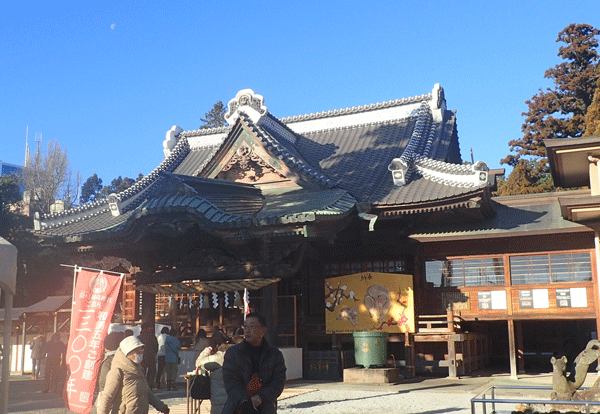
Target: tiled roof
{"x": 50, "y": 304}
{"x": 347, "y": 154}
{"x": 304, "y": 205}
{"x": 196, "y": 160}
{"x": 515, "y": 215}
{"x": 169, "y": 164}
{"x": 216, "y": 204}
{"x": 356, "y": 158}
{"x": 419, "y": 189}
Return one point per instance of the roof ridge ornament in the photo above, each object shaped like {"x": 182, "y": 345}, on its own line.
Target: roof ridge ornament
{"x": 113, "y": 204}
{"x": 171, "y": 139}
{"x": 399, "y": 168}
{"x": 438, "y": 103}
{"x": 252, "y": 104}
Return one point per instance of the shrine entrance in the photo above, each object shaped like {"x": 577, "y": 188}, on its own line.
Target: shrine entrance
{"x": 218, "y": 306}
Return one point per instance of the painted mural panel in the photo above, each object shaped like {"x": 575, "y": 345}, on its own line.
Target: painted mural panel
{"x": 369, "y": 301}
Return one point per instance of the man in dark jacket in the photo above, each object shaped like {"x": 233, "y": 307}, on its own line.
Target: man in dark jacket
{"x": 253, "y": 371}
{"x": 148, "y": 338}
{"x": 55, "y": 362}
{"x": 111, "y": 344}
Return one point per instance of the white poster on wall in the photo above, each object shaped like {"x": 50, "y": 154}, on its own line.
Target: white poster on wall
{"x": 540, "y": 298}
{"x": 498, "y": 299}
{"x": 578, "y": 297}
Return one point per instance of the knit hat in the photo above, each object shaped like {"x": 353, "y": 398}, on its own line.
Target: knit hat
{"x": 129, "y": 344}
{"x": 112, "y": 340}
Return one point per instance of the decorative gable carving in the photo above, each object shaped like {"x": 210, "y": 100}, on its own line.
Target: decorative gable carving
{"x": 247, "y": 166}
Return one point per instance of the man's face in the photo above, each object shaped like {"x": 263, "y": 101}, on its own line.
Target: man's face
{"x": 254, "y": 332}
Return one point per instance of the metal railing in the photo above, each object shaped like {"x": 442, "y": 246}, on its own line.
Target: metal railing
{"x": 484, "y": 400}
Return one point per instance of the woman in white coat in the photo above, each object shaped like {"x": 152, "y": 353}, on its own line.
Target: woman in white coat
{"x": 211, "y": 360}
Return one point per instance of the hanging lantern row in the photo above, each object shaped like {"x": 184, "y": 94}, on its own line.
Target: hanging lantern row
{"x": 204, "y": 302}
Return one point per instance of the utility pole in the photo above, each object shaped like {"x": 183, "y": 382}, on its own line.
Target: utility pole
{"x": 38, "y": 140}
{"x": 25, "y": 164}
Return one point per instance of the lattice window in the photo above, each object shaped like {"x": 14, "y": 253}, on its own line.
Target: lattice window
{"x": 551, "y": 268}
{"x": 465, "y": 272}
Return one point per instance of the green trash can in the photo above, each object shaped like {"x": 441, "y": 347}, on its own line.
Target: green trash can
{"x": 370, "y": 348}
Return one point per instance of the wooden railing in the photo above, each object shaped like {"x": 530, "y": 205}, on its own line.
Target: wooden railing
{"x": 439, "y": 324}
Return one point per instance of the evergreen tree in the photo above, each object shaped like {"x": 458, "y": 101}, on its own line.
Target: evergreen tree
{"x": 527, "y": 177}
{"x": 10, "y": 191}
{"x": 93, "y": 189}
{"x": 215, "y": 117}
{"x": 592, "y": 117}
{"x": 90, "y": 191}
{"x": 557, "y": 112}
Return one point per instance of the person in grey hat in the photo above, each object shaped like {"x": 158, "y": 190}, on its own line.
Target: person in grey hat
{"x": 126, "y": 384}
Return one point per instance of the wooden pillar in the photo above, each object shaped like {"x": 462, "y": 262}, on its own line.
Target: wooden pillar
{"x": 221, "y": 306}
{"x": 520, "y": 350}
{"x": 148, "y": 307}
{"x": 409, "y": 353}
{"x": 450, "y": 320}
{"x": 451, "y": 357}
{"x": 467, "y": 354}
{"x": 7, "y": 350}
{"x": 512, "y": 349}
{"x": 23, "y": 348}
{"x": 173, "y": 312}
{"x": 336, "y": 344}
{"x": 270, "y": 310}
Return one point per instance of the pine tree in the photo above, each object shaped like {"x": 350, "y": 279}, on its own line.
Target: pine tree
{"x": 91, "y": 189}
{"x": 215, "y": 117}
{"x": 558, "y": 112}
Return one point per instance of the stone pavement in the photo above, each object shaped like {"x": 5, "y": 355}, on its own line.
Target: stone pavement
{"x": 419, "y": 395}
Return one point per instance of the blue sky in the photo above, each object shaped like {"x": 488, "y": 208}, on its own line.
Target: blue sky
{"x": 108, "y": 80}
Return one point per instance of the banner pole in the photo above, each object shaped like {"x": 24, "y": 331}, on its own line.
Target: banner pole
{"x": 92, "y": 269}
{"x": 73, "y": 297}
{"x": 245, "y": 303}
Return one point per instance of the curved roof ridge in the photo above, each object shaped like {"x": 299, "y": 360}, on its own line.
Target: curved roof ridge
{"x": 357, "y": 109}
{"x": 457, "y": 175}
{"x": 204, "y": 131}
{"x": 411, "y": 151}
{"x": 167, "y": 164}
{"x": 269, "y": 121}
{"x": 438, "y": 165}
{"x": 354, "y": 126}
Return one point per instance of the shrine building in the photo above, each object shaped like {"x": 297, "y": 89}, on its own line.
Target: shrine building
{"x": 362, "y": 218}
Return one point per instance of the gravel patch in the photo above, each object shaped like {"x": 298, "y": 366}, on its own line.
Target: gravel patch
{"x": 359, "y": 402}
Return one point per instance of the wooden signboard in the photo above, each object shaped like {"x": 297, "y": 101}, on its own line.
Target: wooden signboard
{"x": 369, "y": 301}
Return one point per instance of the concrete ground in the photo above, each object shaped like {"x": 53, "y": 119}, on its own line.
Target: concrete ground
{"x": 426, "y": 395}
